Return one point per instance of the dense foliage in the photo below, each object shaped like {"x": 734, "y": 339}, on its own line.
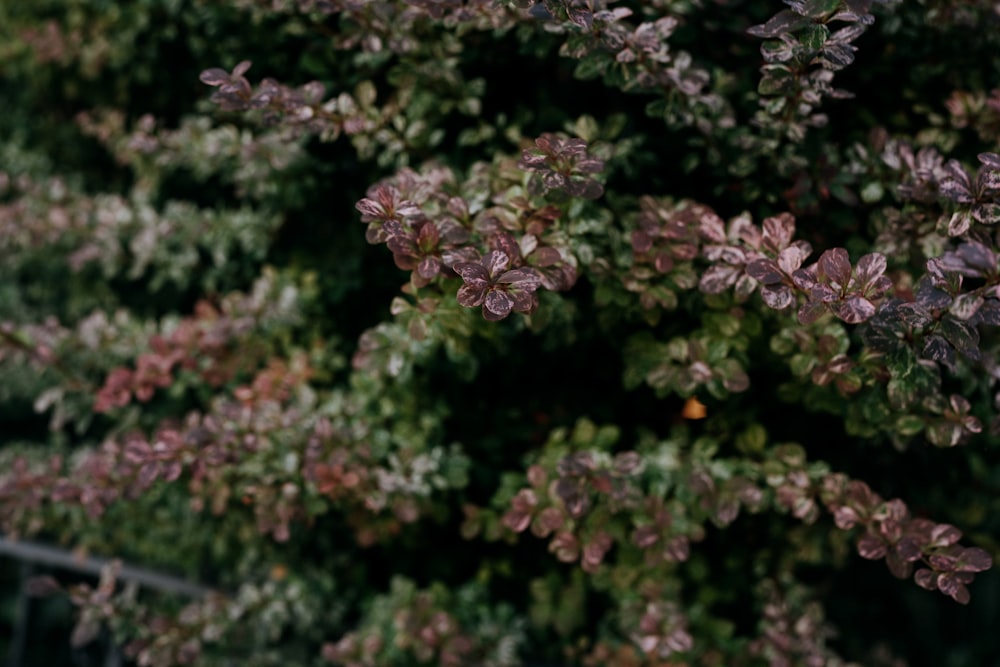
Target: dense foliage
{"x": 685, "y": 311}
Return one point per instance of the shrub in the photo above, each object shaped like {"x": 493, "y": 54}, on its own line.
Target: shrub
{"x": 677, "y": 327}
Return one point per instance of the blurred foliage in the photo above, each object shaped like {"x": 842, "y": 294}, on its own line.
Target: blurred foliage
{"x": 693, "y": 303}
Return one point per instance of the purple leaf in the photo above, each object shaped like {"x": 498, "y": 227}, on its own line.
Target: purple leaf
{"x": 957, "y": 180}
{"x": 522, "y": 279}
{"x": 869, "y": 267}
{"x": 214, "y": 76}
{"x": 517, "y": 521}
{"x": 988, "y": 180}
{"x": 532, "y": 161}
{"x": 929, "y": 296}
{"x": 711, "y": 228}
{"x": 641, "y": 241}
{"x": 835, "y": 265}
{"x": 548, "y": 143}
{"x": 717, "y": 278}
{"x": 473, "y": 273}
{"x": 428, "y": 236}
{"x": 663, "y": 262}
{"x": 584, "y": 188}
{"x": 878, "y": 287}
{"x": 823, "y": 293}
{"x": 545, "y": 256}
{"x": 950, "y": 585}
{"x": 908, "y": 549}
{"x": 677, "y": 549}
{"x": 589, "y": 165}
{"x": 471, "y": 296}
{"x": 959, "y": 223}
{"x": 978, "y": 256}
{"x": 646, "y": 536}
{"x": 553, "y": 180}
{"x": 573, "y": 147}
{"x": 525, "y": 302}
{"x": 944, "y": 561}
{"x": 989, "y": 312}
{"x": 727, "y": 254}
{"x": 944, "y": 534}
{"x": 811, "y": 311}
{"x": 966, "y": 305}
{"x": 148, "y": 474}
{"x": 581, "y": 18}
{"x": 855, "y": 309}
{"x": 805, "y": 279}
{"x": 990, "y": 160}
{"x": 778, "y": 298}
{"x": 974, "y": 559}
{"x": 504, "y": 242}
{"x": 778, "y": 232}
{"x": 961, "y": 594}
{"x": 370, "y": 209}
{"x": 565, "y": 546}
{"x": 455, "y": 256}
{"x": 956, "y": 187}
{"x": 765, "y": 271}
{"x": 926, "y": 579}
{"x": 495, "y": 262}
{"x": 962, "y": 335}
{"x": 499, "y": 304}
{"x": 791, "y": 258}
{"x": 838, "y": 56}
{"x": 899, "y": 567}
{"x": 912, "y": 315}
{"x": 782, "y": 22}
{"x": 871, "y": 547}
{"x": 987, "y": 213}
{"x": 428, "y": 267}
{"x": 848, "y": 34}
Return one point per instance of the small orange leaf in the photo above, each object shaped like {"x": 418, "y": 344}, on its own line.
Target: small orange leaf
{"x": 694, "y": 409}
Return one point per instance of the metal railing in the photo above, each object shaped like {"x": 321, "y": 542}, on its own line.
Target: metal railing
{"x": 35, "y": 557}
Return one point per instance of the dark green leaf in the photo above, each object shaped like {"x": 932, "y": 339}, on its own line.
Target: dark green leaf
{"x": 776, "y": 79}
{"x": 814, "y": 37}
{"x": 962, "y": 335}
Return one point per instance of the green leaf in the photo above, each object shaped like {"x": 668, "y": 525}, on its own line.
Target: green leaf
{"x": 703, "y": 450}
{"x": 777, "y": 79}
{"x": 909, "y": 425}
{"x": 872, "y": 192}
{"x": 817, "y": 9}
{"x": 791, "y": 454}
{"x": 777, "y": 51}
{"x": 945, "y": 434}
{"x": 752, "y": 440}
{"x": 586, "y": 128}
{"x": 814, "y": 37}
{"x": 910, "y": 383}
{"x": 802, "y": 364}
{"x": 591, "y": 67}
{"x": 365, "y": 94}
